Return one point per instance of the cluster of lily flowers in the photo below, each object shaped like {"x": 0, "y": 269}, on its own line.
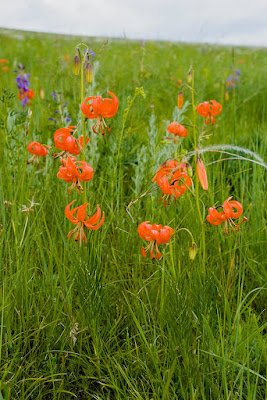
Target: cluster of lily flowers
{"x": 173, "y": 177}
{"x": 75, "y": 171}
{"x": 23, "y": 84}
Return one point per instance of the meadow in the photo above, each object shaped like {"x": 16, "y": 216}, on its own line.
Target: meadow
{"x": 100, "y": 321}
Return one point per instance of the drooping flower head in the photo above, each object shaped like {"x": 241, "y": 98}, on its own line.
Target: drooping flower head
{"x": 66, "y": 142}
{"x": 99, "y": 108}
{"x": 38, "y": 150}
{"x": 177, "y": 130}
{"x": 227, "y": 215}
{"x": 173, "y": 180}
{"x": 209, "y": 110}
{"x": 82, "y": 220}
{"x": 155, "y": 234}
{"x": 75, "y": 172}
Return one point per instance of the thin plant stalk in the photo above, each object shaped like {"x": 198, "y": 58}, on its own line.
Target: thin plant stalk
{"x": 197, "y": 182}
{"x": 83, "y": 129}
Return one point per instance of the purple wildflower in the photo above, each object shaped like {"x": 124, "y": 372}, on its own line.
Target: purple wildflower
{"x": 23, "y": 84}
{"x": 24, "y": 101}
{"x": 54, "y": 95}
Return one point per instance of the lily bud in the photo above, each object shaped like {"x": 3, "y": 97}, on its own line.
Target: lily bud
{"x": 192, "y": 251}
{"x": 76, "y": 63}
{"x": 189, "y": 170}
{"x": 226, "y": 96}
{"x": 89, "y": 73}
{"x": 42, "y": 94}
{"x": 180, "y": 100}
{"x": 201, "y": 173}
{"x": 189, "y": 76}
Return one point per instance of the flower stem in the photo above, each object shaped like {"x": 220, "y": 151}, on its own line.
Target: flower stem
{"x": 196, "y": 181}
{"x": 83, "y": 129}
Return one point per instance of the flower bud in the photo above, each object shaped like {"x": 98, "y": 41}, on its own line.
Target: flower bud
{"x": 189, "y": 76}
{"x": 192, "y": 251}
{"x": 201, "y": 173}
{"x": 226, "y": 96}
{"x": 180, "y": 100}
{"x": 76, "y": 63}
{"x": 189, "y": 170}
{"x": 89, "y": 73}
{"x": 42, "y": 94}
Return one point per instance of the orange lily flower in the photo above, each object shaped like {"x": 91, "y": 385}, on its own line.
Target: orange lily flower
{"x": 201, "y": 173}
{"x": 172, "y": 179}
{"x": 80, "y": 220}
{"x": 3, "y": 61}
{"x": 209, "y": 110}
{"x": 5, "y": 69}
{"x": 100, "y": 108}
{"x": 227, "y": 215}
{"x": 70, "y": 172}
{"x": 177, "y": 130}
{"x": 38, "y": 150}
{"x": 66, "y": 142}
{"x": 155, "y": 234}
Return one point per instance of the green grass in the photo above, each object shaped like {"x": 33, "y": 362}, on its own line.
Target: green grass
{"x": 167, "y": 329}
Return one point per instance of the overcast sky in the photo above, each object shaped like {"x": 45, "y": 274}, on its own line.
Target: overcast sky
{"x": 241, "y": 22}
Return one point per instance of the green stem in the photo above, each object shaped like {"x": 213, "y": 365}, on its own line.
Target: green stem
{"x": 188, "y": 231}
{"x": 83, "y": 131}
{"x": 197, "y": 182}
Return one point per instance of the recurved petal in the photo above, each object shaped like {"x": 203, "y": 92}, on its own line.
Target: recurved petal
{"x": 215, "y": 215}
{"x": 71, "y": 167}
{"x": 69, "y": 213}
{"x": 93, "y": 220}
{"x": 165, "y": 235}
{"x": 109, "y": 107}
{"x": 81, "y": 212}
{"x": 216, "y": 108}
{"x": 239, "y": 209}
{"x": 164, "y": 185}
{"x": 212, "y": 220}
{"x": 87, "y": 171}
{"x": 71, "y": 145}
{"x": 227, "y": 208}
{"x": 204, "y": 109}
{"x": 144, "y": 230}
{"x": 88, "y": 110}
{"x": 93, "y": 228}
